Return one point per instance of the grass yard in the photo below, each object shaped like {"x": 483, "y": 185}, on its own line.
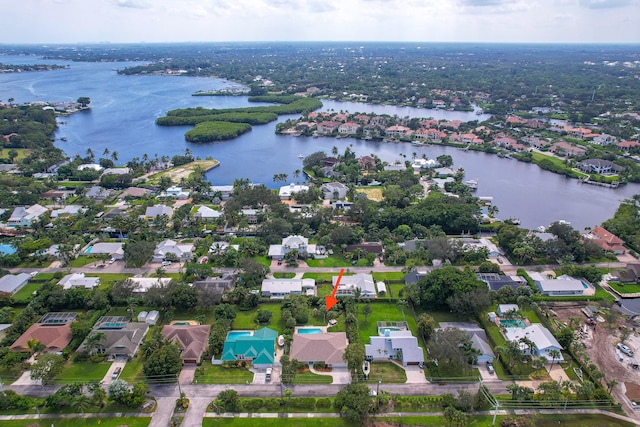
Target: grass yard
{"x": 625, "y": 288}
{"x": 440, "y": 316}
{"x": 308, "y": 377}
{"x": 263, "y": 260}
{"x": 372, "y": 193}
{"x": 395, "y": 290}
{"x": 215, "y": 374}
{"x": 284, "y": 275}
{"x": 25, "y": 294}
{"x": 382, "y": 312}
{"x": 132, "y": 371}
{"x": 74, "y": 372}
{"x": 183, "y": 171}
{"x": 83, "y": 260}
{"x": 321, "y": 278}
{"x": 110, "y": 278}
{"x": 388, "y": 372}
{"x": 245, "y": 319}
{"x": 82, "y": 422}
{"x": 330, "y": 261}
{"x": 392, "y": 276}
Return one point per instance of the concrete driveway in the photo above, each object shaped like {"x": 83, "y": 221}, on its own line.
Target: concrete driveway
{"x": 415, "y": 375}
{"x": 187, "y": 374}
{"x": 119, "y": 362}
{"x": 25, "y": 379}
{"x": 340, "y": 375}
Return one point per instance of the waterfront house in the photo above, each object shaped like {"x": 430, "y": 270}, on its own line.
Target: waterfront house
{"x": 12, "y": 283}
{"x": 280, "y": 288}
{"x": 192, "y": 340}
{"x": 327, "y": 127}
{"x": 397, "y": 131}
{"x": 223, "y": 191}
{"x": 630, "y": 273}
{"x": 563, "y": 148}
{"x": 349, "y": 284}
{"x": 395, "y": 345}
{"x": 256, "y": 348}
{"x": 367, "y": 163}
{"x": 325, "y": 347}
{"x": 607, "y": 241}
{"x": 348, "y": 128}
{"x": 176, "y": 193}
{"x": 599, "y": 166}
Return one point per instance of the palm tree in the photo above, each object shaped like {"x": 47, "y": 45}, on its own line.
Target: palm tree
{"x": 611, "y": 384}
{"x": 34, "y": 346}
{"x": 403, "y": 303}
{"x": 94, "y": 340}
{"x": 114, "y": 156}
{"x": 81, "y": 401}
{"x": 106, "y": 152}
{"x": 555, "y": 355}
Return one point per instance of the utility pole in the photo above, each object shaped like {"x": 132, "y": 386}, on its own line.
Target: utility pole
{"x": 495, "y": 414}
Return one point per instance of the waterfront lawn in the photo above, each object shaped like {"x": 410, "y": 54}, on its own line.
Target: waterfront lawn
{"x": 625, "y": 288}
{"x": 25, "y": 294}
{"x": 382, "y": 312}
{"x": 83, "y": 422}
{"x": 217, "y": 374}
{"x": 308, "y": 377}
{"x": 74, "y": 372}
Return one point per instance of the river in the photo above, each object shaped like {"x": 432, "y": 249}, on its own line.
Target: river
{"x": 124, "y": 108}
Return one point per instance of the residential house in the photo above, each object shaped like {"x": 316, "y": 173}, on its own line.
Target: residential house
{"x": 192, "y": 340}
{"x": 348, "y": 285}
{"x": 182, "y": 251}
{"x": 116, "y": 171}
{"x": 413, "y": 276}
{"x": 155, "y": 211}
{"x": 478, "y": 337}
{"x": 630, "y": 273}
{"x": 397, "y": 131}
{"x": 122, "y": 337}
{"x": 142, "y": 284}
{"x": 12, "y": 283}
{"x": 287, "y": 191}
{"x": 113, "y": 249}
{"x": 176, "y": 193}
{"x": 433, "y": 135}
{"x": 78, "y": 280}
{"x": 250, "y": 215}
{"x": 224, "y": 191}
{"x": 348, "y": 128}
{"x": 504, "y": 309}
{"x": 563, "y": 148}
{"x": 135, "y": 192}
{"x": 628, "y": 145}
{"x": 297, "y": 243}
{"x": 24, "y": 217}
{"x": 93, "y": 166}
{"x": 398, "y": 345}
{"x": 53, "y": 331}
{"x": 56, "y": 194}
{"x": 98, "y": 193}
{"x": 327, "y": 347}
{"x": 67, "y": 210}
{"x": 258, "y": 348}
{"x": 205, "y": 213}
{"x": 367, "y": 163}
{"x": 369, "y": 247}
{"x": 542, "y": 339}
{"x": 327, "y": 127}
{"x": 496, "y": 281}
{"x": 562, "y": 286}
{"x": 334, "y": 190}
{"x": 280, "y": 288}
{"x": 216, "y": 286}
{"x": 423, "y": 164}
{"x": 604, "y": 139}
{"x": 599, "y": 166}
{"x": 607, "y": 241}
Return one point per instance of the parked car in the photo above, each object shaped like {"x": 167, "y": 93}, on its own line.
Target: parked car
{"x": 165, "y": 263}
{"x": 626, "y": 350}
{"x": 490, "y": 368}
{"x": 116, "y": 373}
{"x": 268, "y": 376}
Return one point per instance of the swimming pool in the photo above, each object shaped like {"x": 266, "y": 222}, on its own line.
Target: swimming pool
{"x": 181, "y": 323}
{"x": 232, "y": 335}
{"x": 385, "y": 331}
{"x": 513, "y": 323}
{"x": 585, "y": 285}
{"x": 89, "y": 249}
{"x": 307, "y": 331}
{"x": 7, "y": 249}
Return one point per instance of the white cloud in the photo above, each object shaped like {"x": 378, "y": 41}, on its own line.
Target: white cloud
{"x": 132, "y": 4}
{"x": 604, "y": 4}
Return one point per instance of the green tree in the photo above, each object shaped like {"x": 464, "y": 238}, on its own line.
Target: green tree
{"x": 555, "y": 355}
{"x": 354, "y": 356}
{"x": 353, "y": 402}
{"x": 426, "y": 326}
{"x": 228, "y": 401}
{"x": 164, "y": 361}
{"x": 47, "y": 367}
{"x": 366, "y": 310}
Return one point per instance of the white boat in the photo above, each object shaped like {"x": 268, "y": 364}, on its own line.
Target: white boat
{"x": 281, "y": 341}
{"x": 472, "y": 184}
{"x": 366, "y": 368}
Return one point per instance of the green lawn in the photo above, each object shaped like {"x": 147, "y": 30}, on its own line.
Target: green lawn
{"x": 330, "y": 261}
{"x": 263, "y": 260}
{"x": 284, "y": 275}
{"x": 82, "y": 422}
{"x": 308, "y": 377}
{"x": 382, "y": 312}
{"x": 132, "y": 371}
{"x": 625, "y": 288}
{"x": 388, "y": 372}
{"x": 245, "y": 319}
{"x": 321, "y": 278}
{"x": 215, "y": 374}
{"x": 395, "y": 290}
{"x": 110, "y": 278}
{"x": 392, "y": 276}
{"x": 82, "y": 371}
{"x": 25, "y": 294}
{"x": 83, "y": 260}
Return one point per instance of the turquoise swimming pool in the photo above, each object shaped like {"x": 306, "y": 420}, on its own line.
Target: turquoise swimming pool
{"x": 89, "y": 249}
{"x": 307, "y": 331}
{"x": 513, "y": 323}
{"x": 232, "y": 335}
{"x": 385, "y": 331}
{"x": 7, "y": 249}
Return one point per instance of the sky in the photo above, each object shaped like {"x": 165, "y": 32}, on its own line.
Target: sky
{"x": 116, "y": 21}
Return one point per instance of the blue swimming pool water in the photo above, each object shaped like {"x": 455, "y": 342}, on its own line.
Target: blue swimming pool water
{"x": 306, "y": 331}
{"x": 585, "y": 285}
{"x": 385, "y": 331}
{"x": 235, "y": 334}
{"x": 89, "y": 249}
{"x": 7, "y": 249}
{"x": 513, "y": 323}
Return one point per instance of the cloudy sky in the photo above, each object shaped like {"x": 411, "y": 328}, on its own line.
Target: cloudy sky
{"x": 554, "y": 21}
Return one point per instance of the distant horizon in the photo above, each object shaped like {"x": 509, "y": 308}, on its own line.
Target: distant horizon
{"x": 210, "y": 21}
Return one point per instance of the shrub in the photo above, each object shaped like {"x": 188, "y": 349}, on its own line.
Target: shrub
{"x": 323, "y": 402}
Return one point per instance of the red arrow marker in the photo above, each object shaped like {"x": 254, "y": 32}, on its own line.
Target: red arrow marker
{"x": 330, "y": 301}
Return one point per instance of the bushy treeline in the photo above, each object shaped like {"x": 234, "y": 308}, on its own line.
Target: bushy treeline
{"x": 216, "y": 131}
